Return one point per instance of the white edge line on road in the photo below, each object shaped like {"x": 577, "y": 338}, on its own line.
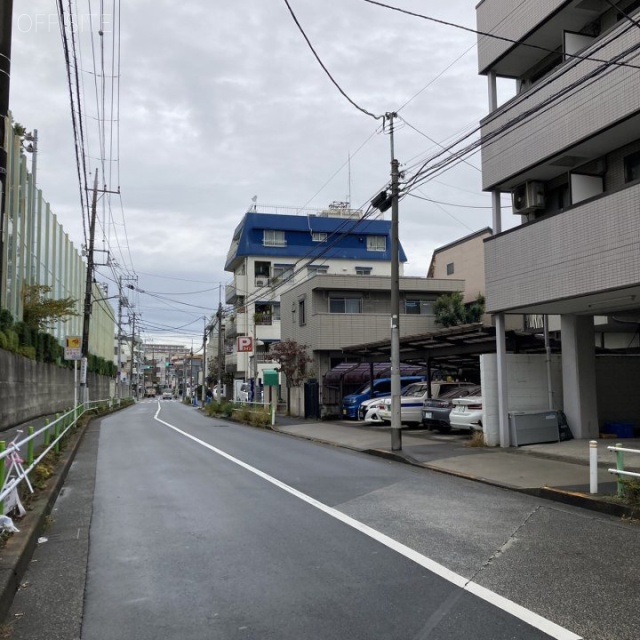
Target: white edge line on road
{"x": 522, "y": 613}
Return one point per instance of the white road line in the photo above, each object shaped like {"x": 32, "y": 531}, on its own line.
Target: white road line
{"x": 533, "y": 619}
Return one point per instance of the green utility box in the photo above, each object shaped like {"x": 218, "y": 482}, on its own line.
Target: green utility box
{"x": 271, "y": 378}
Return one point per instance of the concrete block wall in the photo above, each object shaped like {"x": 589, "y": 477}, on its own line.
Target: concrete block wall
{"x": 30, "y": 389}
{"x": 526, "y": 387}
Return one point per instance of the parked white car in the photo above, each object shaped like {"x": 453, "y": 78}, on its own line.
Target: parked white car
{"x": 368, "y": 410}
{"x": 372, "y": 414}
{"x": 412, "y": 400}
{"x": 467, "y": 413}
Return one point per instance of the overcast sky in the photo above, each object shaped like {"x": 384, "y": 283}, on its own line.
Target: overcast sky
{"x": 220, "y": 101}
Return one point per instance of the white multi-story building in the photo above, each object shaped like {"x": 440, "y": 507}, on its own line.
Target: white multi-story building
{"x": 272, "y": 252}
{"x": 567, "y": 146}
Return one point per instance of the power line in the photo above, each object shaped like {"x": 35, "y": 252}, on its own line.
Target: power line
{"x": 317, "y": 57}
{"x": 493, "y": 35}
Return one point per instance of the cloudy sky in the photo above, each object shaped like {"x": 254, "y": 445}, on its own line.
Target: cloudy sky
{"x": 217, "y": 101}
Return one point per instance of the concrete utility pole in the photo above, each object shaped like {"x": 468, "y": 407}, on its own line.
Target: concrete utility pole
{"x": 132, "y": 391}
{"x": 220, "y": 354}
{"x": 6, "y": 23}
{"x": 203, "y": 391}
{"x": 396, "y": 415}
{"x": 89, "y": 282}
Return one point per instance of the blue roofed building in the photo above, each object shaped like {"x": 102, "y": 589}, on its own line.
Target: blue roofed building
{"x": 276, "y": 249}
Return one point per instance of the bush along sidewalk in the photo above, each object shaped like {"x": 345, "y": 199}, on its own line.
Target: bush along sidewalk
{"x": 244, "y": 413}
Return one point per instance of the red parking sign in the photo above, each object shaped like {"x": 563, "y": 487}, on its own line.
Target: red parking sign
{"x": 245, "y": 344}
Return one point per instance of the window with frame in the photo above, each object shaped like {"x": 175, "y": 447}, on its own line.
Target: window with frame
{"x": 450, "y": 269}
{"x": 302, "y": 318}
{"x": 418, "y": 307}
{"x": 313, "y": 270}
{"x": 282, "y": 272}
{"x": 376, "y": 243}
{"x": 318, "y": 236}
{"x": 363, "y": 271}
{"x": 347, "y": 304}
{"x": 273, "y": 238}
{"x": 632, "y": 167}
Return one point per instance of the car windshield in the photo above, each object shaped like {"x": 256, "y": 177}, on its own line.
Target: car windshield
{"x": 416, "y": 389}
{"x": 362, "y": 390}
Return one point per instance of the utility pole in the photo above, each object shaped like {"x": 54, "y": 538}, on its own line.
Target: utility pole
{"x": 203, "y": 392}
{"x": 6, "y": 23}
{"x": 84, "y": 396}
{"x": 119, "y": 365}
{"x": 132, "y": 392}
{"x": 220, "y": 354}
{"x": 396, "y": 415}
{"x": 89, "y": 281}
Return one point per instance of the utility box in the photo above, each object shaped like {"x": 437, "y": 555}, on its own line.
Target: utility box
{"x": 534, "y": 427}
{"x": 270, "y": 378}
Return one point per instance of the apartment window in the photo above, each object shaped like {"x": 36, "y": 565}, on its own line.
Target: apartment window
{"x": 302, "y": 318}
{"x": 376, "y": 243}
{"x": 363, "y": 271}
{"x": 418, "y": 307}
{"x": 313, "y": 270}
{"x": 632, "y": 167}
{"x": 450, "y": 269}
{"x": 276, "y": 310}
{"x": 319, "y": 236}
{"x": 345, "y": 305}
{"x": 273, "y": 238}
{"x": 282, "y": 272}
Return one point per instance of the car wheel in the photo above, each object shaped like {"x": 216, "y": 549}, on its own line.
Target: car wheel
{"x": 444, "y": 428}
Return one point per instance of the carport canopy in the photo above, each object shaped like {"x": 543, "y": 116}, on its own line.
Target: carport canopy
{"x": 451, "y": 349}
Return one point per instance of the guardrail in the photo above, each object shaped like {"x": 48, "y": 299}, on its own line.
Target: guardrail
{"x": 12, "y": 465}
{"x": 619, "y": 470}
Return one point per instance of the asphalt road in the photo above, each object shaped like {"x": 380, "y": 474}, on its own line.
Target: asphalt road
{"x": 200, "y": 529}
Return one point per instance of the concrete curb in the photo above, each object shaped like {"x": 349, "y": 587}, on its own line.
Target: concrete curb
{"x": 572, "y": 498}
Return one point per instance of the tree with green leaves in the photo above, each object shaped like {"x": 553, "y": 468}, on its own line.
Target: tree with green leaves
{"x": 40, "y": 312}
{"x": 451, "y": 310}
{"x": 293, "y": 360}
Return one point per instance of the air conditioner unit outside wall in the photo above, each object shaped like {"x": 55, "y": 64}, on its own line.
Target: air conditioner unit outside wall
{"x": 528, "y": 197}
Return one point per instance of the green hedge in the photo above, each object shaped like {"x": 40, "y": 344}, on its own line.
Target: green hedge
{"x": 18, "y": 337}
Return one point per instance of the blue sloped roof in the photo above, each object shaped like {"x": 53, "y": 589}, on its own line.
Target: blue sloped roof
{"x": 346, "y": 238}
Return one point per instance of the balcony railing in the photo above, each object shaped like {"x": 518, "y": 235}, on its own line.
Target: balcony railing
{"x": 263, "y": 319}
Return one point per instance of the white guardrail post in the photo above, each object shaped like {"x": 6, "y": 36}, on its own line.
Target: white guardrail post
{"x": 593, "y": 466}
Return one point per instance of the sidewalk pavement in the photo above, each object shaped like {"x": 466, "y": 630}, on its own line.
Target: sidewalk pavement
{"x": 558, "y": 470}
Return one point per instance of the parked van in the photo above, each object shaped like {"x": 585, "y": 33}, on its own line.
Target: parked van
{"x": 381, "y": 387}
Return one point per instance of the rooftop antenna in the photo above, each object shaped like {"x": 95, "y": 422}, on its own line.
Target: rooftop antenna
{"x": 254, "y": 205}
{"x": 349, "y": 173}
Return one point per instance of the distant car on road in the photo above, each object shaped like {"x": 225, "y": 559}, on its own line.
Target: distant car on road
{"x": 167, "y": 394}
{"x": 435, "y": 411}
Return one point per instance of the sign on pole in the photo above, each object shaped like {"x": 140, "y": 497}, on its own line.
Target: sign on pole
{"x": 73, "y": 348}
{"x": 245, "y": 344}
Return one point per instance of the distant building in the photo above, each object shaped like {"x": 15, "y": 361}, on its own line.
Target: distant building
{"x": 330, "y": 312}
{"x": 271, "y": 252}
{"x": 37, "y": 251}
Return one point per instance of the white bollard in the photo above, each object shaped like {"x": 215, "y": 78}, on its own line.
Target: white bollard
{"x": 593, "y": 466}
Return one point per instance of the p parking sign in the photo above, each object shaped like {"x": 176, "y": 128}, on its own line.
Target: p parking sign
{"x": 245, "y": 344}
